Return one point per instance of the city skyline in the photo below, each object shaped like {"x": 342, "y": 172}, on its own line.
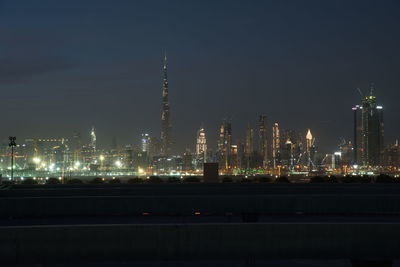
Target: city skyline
{"x": 56, "y": 84}
{"x": 168, "y": 147}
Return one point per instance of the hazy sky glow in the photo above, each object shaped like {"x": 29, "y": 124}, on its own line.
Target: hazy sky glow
{"x": 66, "y": 65}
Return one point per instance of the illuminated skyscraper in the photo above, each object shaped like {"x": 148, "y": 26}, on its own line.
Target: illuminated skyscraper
{"x": 224, "y": 145}
{"x": 309, "y": 140}
{"x": 262, "y": 138}
{"x": 93, "y": 138}
{"x": 368, "y": 131}
{"x": 309, "y": 148}
{"x": 165, "y": 114}
{"x": 145, "y": 143}
{"x": 248, "y": 149}
{"x": 392, "y": 155}
{"x": 288, "y": 147}
{"x": 288, "y": 154}
{"x": 233, "y": 157}
{"x": 201, "y": 145}
{"x": 276, "y": 144}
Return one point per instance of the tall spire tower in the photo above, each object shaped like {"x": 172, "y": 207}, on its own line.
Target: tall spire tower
{"x": 165, "y": 113}
{"x": 93, "y": 138}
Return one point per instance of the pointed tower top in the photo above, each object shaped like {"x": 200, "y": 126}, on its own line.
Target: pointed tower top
{"x": 309, "y": 135}
{"x": 371, "y": 88}
{"x": 165, "y": 59}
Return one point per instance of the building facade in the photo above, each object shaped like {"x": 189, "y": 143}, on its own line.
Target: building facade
{"x": 201, "y": 148}
{"x": 276, "y": 144}
{"x": 224, "y": 145}
{"x": 368, "y": 132}
{"x": 263, "y": 139}
{"x": 165, "y": 137}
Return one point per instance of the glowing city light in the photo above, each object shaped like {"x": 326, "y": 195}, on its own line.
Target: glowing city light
{"x": 118, "y": 164}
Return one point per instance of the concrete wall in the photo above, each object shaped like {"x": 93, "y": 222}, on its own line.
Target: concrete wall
{"x": 185, "y": 199}
{"x": 263, "y": 204}
{"x": 44, "y": 244}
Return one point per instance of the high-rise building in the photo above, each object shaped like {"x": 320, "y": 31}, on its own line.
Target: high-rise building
{"x": 248, "y": 159}
{"x": 289, "y": 142}
{"x": 368, "y": 131}
{"x": 233, "y": 159}
{"x": 145, "y": 143}
{"x": 309, "y": 141}
{"x": 187, "y": 161}
{"x": 165, "y": 114}
{"x": 93, "y": 139}
{"x": 392, "y": 155}
{"x": 224, "y": 145}
{"x": 262, "y": 138}
{"x": 201, "y": 148}
{"x": 248, "y": 150}
{"x": 288, "y": 154}
{"x": 309, "y": 148}
{"x": 346, "y": 150}
{"x": 276, "y": 144}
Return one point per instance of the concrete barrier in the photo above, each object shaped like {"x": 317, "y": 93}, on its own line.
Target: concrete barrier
{"x": 91, "y": 243}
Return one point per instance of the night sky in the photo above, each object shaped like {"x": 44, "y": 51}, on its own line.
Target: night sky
{"x": 66, "y": 65}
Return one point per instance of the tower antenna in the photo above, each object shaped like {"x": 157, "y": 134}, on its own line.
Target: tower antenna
{"x": 372, "y": 88}
{"x": 359, "y": 90}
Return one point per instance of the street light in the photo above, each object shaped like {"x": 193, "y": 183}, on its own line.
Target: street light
{"x": 12, "y": 144}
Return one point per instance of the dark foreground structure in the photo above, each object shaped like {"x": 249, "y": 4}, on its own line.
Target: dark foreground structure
{"x": 49, "y": 224}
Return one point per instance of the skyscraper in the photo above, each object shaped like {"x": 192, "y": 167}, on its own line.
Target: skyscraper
{"x": 93, "y": 139}
{"x": 288, "y": 154}
{"x": 309, "y": 148}
{"x": 392, "y": 155}
{"x": 249, "y": 141}
{"x": 145, "y": 143}
{"x": 248, "y": 147}
{"x": 276, "y": 144}
{"x": 224, "y": 145}
{"x": 201, "y": 149}
{"x": 165, "y": 114}
{"x": 368, "y": 131}
{"x": 262, "y": 138}
{"x": 201, "y": 146}
{"x": 288, "y": 147}
{"x": 309, "y": 140}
